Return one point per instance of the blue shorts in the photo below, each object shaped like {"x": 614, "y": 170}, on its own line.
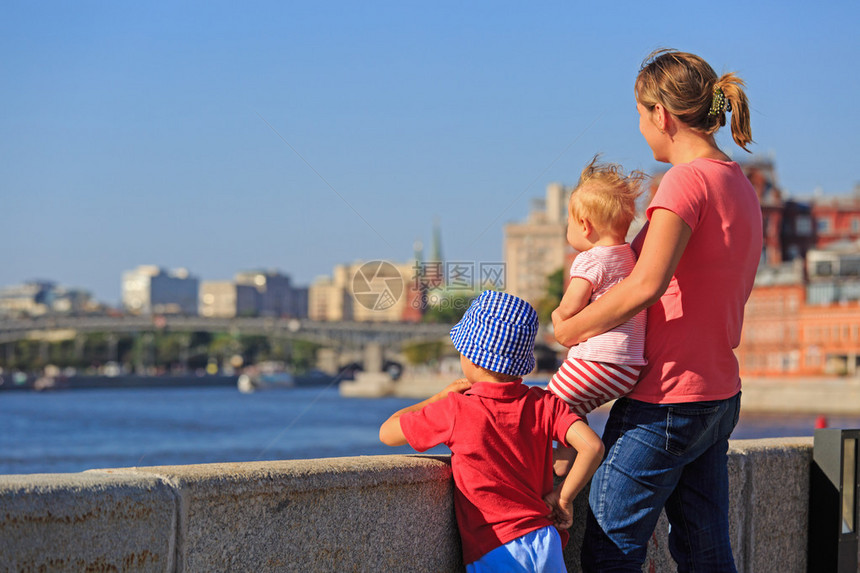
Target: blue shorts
{"x": 539, "y": 550}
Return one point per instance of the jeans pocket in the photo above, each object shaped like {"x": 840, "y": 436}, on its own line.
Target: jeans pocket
{"x": 687, "y": 425}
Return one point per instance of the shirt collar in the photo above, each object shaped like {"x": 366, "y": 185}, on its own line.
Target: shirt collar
{"x": 498, "y": 390}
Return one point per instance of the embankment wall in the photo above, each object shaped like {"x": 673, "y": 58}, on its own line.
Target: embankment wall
{"x": 370, "y": 513}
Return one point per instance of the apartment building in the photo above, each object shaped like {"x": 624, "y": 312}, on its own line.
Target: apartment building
{"x": 149, "y": 289}
{"x": 367, "y": 291}
{"x": 537, "y": 247}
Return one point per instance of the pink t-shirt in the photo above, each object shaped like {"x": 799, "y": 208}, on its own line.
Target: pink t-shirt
{"x": 696, "y": 324}
{"x": 604, "y": 267}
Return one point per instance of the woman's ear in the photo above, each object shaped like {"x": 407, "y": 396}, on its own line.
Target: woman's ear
{"x": 660, "y": 117}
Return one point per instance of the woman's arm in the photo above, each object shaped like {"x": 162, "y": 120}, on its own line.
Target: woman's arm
{"x": 667, "y": 237}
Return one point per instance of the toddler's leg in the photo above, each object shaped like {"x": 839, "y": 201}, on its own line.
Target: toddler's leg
{"x": 585, "y": 384}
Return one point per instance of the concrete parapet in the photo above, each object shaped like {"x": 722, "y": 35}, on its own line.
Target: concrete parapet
{"x": 379, "y": 513}
{"x": 93, "y": 521}
{"x": 370, "y": 513}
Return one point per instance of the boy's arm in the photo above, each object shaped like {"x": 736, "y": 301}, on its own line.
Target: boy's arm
{"x": 589, "y": 454}
{"x": 390, "y": 432}
{"x": 575, "y": 298}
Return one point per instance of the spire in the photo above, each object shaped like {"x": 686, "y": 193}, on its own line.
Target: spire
{"x": 418, "y": 251}
{"x": 436, "y": 249}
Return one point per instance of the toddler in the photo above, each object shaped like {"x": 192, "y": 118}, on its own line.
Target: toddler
{"x": 602, "y": 206}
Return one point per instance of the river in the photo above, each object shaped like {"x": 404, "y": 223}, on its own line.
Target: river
{"x": 72, "y": 431}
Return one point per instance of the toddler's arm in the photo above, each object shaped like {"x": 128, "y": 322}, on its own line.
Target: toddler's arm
{"x": 575, "y": 298}
{"x": 589, "y": 454}
{"x": 391, "y": 434}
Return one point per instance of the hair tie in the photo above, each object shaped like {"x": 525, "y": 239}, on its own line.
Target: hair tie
{"x": 719, "y": 104}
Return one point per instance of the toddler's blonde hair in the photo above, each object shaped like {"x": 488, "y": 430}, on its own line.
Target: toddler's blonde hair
{"x": 606, "y": 196}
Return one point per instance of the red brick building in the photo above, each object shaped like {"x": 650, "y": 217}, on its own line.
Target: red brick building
{"x": 785, "y": 334}
{"x": 837, "y": 219}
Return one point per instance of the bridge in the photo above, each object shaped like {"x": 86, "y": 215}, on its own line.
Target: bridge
{"x": 353, "y": 335}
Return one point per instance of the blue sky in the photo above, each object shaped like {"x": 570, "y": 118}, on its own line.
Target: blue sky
{"x": 220, "y": 136}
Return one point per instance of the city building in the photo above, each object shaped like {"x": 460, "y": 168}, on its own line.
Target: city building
{"x": 328, "y": 297}
{"x": 837, "y": 218}
{"x": 537, "y": 247}
{"x": 803, "y": 318}
{"x": 276, "y": 296}
{"x": 226, "y": 299}
{"x": 37, "y": 298}
{"x": 771, "y": 336}
{"x": 149, "y": 289}
{"x": 366, "y": 291}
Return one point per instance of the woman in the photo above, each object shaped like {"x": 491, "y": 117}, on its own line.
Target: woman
{"x": 666, "y": 442}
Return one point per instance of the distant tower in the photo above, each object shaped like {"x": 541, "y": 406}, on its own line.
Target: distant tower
{"x": 436, "y": 247}
{"x": 418, "y": 252}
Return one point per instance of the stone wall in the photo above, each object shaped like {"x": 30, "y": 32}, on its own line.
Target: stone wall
{"x": 370, "y": 513}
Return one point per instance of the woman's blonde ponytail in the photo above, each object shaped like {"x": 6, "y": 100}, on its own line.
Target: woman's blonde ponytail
{"x": 688, "y": 88}
{"x": 732, "y": 86}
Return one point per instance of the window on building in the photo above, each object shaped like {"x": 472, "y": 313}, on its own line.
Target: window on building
{"x": 855, "y": 225}
{"x": 803, "y": 225}
{"x": 850, "y": 266}
{"x": 813, "y": 357}
{"x": 823, "y": 225}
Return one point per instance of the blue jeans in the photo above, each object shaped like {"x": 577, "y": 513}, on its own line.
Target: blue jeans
{"x": 662, "y": 455}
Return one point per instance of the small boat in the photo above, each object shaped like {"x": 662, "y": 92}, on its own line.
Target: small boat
{"x": 248, "y": 383}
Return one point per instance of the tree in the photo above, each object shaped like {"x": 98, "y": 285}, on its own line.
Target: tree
{"x": 550, "y": 301}
{"x": 425, "y": 352}
{"x": 450, "y": 309}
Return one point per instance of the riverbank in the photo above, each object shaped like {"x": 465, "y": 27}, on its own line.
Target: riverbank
{"x": 825, "y": 396}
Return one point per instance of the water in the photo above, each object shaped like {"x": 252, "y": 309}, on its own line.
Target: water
{"x": 73, "y": 431}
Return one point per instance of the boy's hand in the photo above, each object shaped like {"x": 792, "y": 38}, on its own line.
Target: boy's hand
{"x": 459, "y": 386}
{"x": 391, "y": 433}
{"x": 561, "y": 514}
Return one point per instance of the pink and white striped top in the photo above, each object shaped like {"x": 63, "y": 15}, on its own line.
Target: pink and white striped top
{"x": 604, "y": 267}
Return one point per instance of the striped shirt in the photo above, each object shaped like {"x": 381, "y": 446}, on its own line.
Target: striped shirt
{"x": 604, "y": 267}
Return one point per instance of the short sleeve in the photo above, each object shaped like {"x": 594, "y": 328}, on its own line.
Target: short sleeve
{"x": 681, "y": 191}
{"x": 562, "y": 417}
{"x": 586, "y": 266}
{"x": 430, "y": 426}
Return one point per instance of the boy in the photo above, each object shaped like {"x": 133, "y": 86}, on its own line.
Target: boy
{"x": 500, "y": 433}
{"x": 606, "y": 366}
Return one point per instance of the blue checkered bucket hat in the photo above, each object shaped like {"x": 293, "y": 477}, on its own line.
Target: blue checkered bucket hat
{"x": 498, "y": 333}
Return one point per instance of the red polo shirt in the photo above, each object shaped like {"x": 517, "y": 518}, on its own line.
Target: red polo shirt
{"x": 500, "y": 436}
